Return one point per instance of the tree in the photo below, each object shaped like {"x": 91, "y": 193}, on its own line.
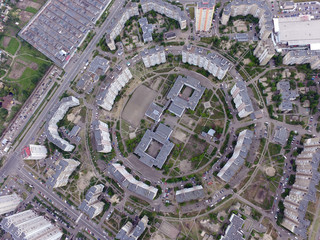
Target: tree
{"x": 3, "y": 114}
{"x": 278, "y": 59}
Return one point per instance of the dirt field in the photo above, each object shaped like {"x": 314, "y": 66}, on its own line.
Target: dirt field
{"x": 24, "y": 4}
{"x": 187, "y": 121}
{"x": 185, "y": 166}
{"x": 84, "y": 180}
{"x": 180, "y": 135}
{"x": 6, "y": 41}
{"x": 169, "y": 230}
{"x": 25, "y": 16}
{"x": 138, "y": 105}
{"x": 260, "y": 196}
{"x": 193, "y": 148}
{"x": 17, "y": 70}
{"x": 154, "y": 148}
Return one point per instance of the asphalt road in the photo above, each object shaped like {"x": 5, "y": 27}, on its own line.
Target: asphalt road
{"x": 14, "y": 161}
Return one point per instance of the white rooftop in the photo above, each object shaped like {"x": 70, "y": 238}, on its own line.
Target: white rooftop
{"x": 300, "y": 30}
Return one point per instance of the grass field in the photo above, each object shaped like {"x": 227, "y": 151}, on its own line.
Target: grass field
{"x": 32, "y": 10}
{"x": 25, "y": 84}
{"x": 2, "y": 72}
{"x": 191, "y": 11}
{"x": 12, "y": 46}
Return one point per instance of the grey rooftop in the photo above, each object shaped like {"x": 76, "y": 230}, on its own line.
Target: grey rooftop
{"x": 161, "y": 135}
{"x": 179, "y": 104}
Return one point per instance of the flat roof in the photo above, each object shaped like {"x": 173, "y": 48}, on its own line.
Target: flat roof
{"x": 298, "y": 30}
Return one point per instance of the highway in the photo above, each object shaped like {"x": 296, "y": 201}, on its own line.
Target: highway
{"x": 60, "y": 204}
{"x": 14, "y": 162}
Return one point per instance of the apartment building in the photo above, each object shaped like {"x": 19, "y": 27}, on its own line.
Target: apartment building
{"x": 167, "y": 9}
{"x": 304, "y": 188}
{"x": 91, "y": 205}
{"x": 302, "y": 57}
{"x": 241, "y": 99}
{"x": 28, "y": 225}
{"x": 257, "y": 8}
{"x": 188, "y": 194}
{"x": 131, "y": 232}
{"x": 126, "y": 180}
{"x": 213, "y": 63}
{"x": 63, "y": 171}
{"x": 238, "y": 157}
{"x": 264, "y": 51}
{"x": 9, "y": 203}
{"x": 117, "y": 80}
{"x": 52, "y": 127}
{"x": 34, "y": 152}
{"x": 204, "y": 15}
{"x": 153, "y": 56}
{"x": 118, "y": 22}
{"x": 147, "y": 30}
{"x": 102, "y": 136}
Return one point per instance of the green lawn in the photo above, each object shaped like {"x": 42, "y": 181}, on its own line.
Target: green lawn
{"x": 274, "y": 149}
{"x": 2, "y": 72}
{"x": 191, "y": 11}
{"x": 12, "y": 46}
{"x": 32, "y": 10}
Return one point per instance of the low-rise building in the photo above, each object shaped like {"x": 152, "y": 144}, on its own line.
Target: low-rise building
{"x": 154, "y": 112}
{"x": 28, "y": 225}
{"x": 159, "y": 145}
{"x": 147, "y": 30}
{"x": 241, "y": 99}
{"x": 91, "y": 205}
{"x": 182, "y": 98}
{"x": 167, "y": 9}
{"x": 102, "y": 136}
{"x": 130, "y": 232}
{"x": 188, "y": 194}
{"x": 281, "y": 135}
{"x": 63, "y": 171}
{"x": 238, "y": 157}
{"x": 213, "y": 63}
{"x": 9, "y": 203}
{"x": 126, "y": 180}
{"x": 304, "y": 188}
{"x": 34, "y": 152}
{"x": 52, "y": 127}
{"x": 117, "y": 80}
{"x": 234, "y": 229}
{"x": 287, "y": 96}
{"x": 153, "y": 56}
{"x": 170, "y": 35}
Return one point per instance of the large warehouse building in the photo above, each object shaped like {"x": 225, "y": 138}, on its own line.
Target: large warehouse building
{"x": 297, "y": 32}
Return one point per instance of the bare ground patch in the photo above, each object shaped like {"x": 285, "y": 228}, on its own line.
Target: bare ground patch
{"x": 138, "y": 105}
{"x": 180, "y": 135}
{"x": 25, "y": 4}
{"x": 17, "y": 70}
{"x": 6, "y": 41}
{"x": 185, "y": 166}
{"x": 25, "y": 16}
{"x": 84, "y": 180}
